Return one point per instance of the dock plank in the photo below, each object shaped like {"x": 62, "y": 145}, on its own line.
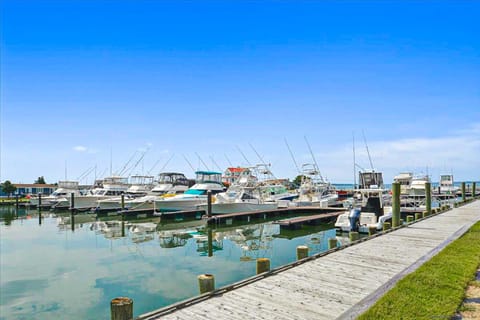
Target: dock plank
{"x": 338, "y": 284}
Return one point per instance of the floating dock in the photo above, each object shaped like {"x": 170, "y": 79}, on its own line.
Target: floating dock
{"x": 338, "y": 284}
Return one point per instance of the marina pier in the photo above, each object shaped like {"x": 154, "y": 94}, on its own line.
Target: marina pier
{"x": 338, "y": 284}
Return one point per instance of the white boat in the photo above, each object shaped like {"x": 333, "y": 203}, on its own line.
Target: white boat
{"x": 168, "y": 184}
{"x": 195, "y": 196}
{"x": 112, "y": 187}
{"x": 405, "y": 180}
{"x": 64, "y": 191}
{"x": 139, "y": 187}
{"x": 314, "y": 191}
{"x": 371, "y": 212}
{"x": 242, "y": 196}
{"x": 417, "y": 188}
{"x": 446, "y": 184}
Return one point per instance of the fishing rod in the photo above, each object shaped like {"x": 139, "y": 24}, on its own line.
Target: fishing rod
{"x": 291, "y": 154}
{"x": 314, "y": 160}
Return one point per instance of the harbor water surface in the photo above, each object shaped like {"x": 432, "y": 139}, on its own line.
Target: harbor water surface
{"x": 49, "y": 271}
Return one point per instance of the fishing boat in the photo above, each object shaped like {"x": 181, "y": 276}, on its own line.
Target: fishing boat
{"x": 314, "y": 191}
{"x": 110, "y": 187}
{"x": 243, "y": 195}
{"x": 194, "y": 196}
{"x": 417, "y": 188}
{"x": 63, "y": 192}
{"x": 405, "y": 181}
{"x": 168, "y": 184}
{"x": 370, "y": 212}
{"x": 446, "y": 185}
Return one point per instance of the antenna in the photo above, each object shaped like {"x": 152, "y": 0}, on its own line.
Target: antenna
{"x": 199, "y": 158}
{"x": 368, "y": 152}
{"x": 228, "y": 160}
{"x": 244, "y": 156}
{"x": 291, "y": 154}
{"x": 354, "y": 164}
{"x": 215, "y": 163}
{"x": 258, "y": 155}
{"x": 65, "y": 170}
{"x": 313, "y": 157}
{"x": 189, "y": 163}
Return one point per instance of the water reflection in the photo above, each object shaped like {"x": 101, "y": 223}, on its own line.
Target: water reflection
{"x": 46, "y": 269}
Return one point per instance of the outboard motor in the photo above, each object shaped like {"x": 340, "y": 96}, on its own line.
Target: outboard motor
{"x": 354, "y": 217}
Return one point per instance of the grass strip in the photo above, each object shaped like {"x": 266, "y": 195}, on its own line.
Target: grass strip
{"x": 437, "y": 288}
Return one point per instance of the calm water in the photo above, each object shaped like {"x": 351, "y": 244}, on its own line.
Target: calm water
{"x": 48, "y": 271}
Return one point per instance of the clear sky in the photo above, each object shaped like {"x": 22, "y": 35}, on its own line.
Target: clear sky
{"x": 84, "y": 80}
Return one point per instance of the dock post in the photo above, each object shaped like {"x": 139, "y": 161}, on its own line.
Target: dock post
{"x": 72, "y": 210}
{"x": 418, "y": 216}
{"x": 395, "y": 204}
{"x": 16, "y": 202}
{"x": 332, "y": 243}
{"x": 123, "y": 214}
{"x": 386, "y": 226}
{"x": 302, "y": 252}
{"x": 372, "y": 230}
{"x": 263, "y": 265}
{"x": 209, "y": 203}
{"x": 428, "y": 197}
{"x": 354, "y": 235}
{"x": 121, "y": 309}
{"x": 464, "y": 196}
{"x": 39, "y": 201}
{"x": 474, "y": 191}
{"x": 206, "y": 283}
{"x": 210, "y": 241}
{"x": 410, "y": 218}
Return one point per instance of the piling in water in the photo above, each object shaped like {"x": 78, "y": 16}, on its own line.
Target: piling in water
{"x": 209, "y": 203}
{"x": 263, "y": 265}
{"x": 464, "y": 196}
{"x": 410, "y": 218}
{"x": 302, "y": 252}
{"x": 121, "y": 309}
{"x": 332, "y": 243}
{"x": 395, "y": 204}
{"x": 428, "y": 197}
{"x": 386, "y": 226}
{"x": 72, "y": 202}
{"x": 354, "y": 236}
{"x": 123, "y": 202}
{"x": 372, "y": 231}
{"x": 206, "y": 283}
{"x": 474, "y": 190}
{"x": 210, "y": 241}
{"x": 39, "y": 201}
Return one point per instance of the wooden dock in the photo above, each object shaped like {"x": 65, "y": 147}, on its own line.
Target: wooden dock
{"x": 339, "y": 284}
{"x": 297, "y": 222}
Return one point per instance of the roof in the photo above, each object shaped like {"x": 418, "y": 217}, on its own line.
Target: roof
{"x": 33, "y": 185}
{"x": 237, "y": 169}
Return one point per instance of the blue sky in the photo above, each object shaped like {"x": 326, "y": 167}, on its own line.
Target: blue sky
{"x": 83, "y": 79}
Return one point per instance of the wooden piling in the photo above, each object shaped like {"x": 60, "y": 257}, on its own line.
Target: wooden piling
{"x": 332, "y": 243}
{"x": 263, "y": 265}
{"x": 410, "y": 218}
{"x": 418, "y": 216}
{"x": 123, "y": 202}
{"x": 206, "y": 283}
{"x": 353, "y": 235}
{"x": 428, "y": 197}
{"x": 16, "y": 202}
{"x": 39, "y": 201}
{"x": 209, "y": 203}
{"x": 121, "y": 308}
{"x": 464, "y": 196}
{"x": 72, "y": 202}
{"x": 210, "y": 241}
{"x": 395, "y": 204}
{"x": 302, "y": 252}
{"x": 474, "y": 190}
{"x": 424, "y": 214}
{"x": 372, "y": 230}
{"x": 387, "y": 226}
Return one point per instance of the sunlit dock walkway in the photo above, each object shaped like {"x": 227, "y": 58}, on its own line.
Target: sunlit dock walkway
{"x": 341, "y": 284}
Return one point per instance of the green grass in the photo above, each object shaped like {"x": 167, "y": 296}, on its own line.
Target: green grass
{"x": 437, "y": 288}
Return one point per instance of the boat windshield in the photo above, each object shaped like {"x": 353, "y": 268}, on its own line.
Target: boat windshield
{"x": 209, "y": 176}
